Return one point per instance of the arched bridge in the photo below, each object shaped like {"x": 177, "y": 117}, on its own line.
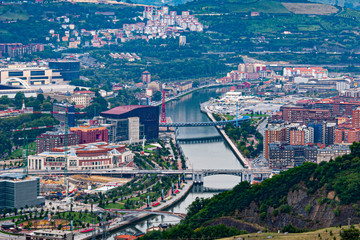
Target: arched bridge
{"x": 10, "y": 80}
{"x": 147, "y": 211}
{"x": 202, "y": 124}
{"x": 208, "y": 139}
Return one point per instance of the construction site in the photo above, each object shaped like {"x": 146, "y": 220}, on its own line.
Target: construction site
{"x": 53, "y": 186}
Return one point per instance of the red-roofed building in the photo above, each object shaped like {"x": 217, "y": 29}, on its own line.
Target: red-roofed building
{"x": 87, "y": 92}
{"x": 90, "y": 156}
{"x": 125, "y": 237}
{"x": 90, "y": 134}
{"x": 146, "y": 77}
{"x": 316, "y": 72}
{"x": 132, "y": 123}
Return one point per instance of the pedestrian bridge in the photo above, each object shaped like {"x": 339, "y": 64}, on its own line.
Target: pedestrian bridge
{"x": 203, "y": 124}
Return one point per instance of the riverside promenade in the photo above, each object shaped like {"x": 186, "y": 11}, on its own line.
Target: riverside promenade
{"x": 118, "y": 223}
{"x": 244, "y": 161}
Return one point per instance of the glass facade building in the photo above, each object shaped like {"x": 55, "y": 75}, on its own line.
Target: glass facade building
{"x": 69, "y": 70}
{"x": 17, "y": 191}
{"x": 62, "y": 107}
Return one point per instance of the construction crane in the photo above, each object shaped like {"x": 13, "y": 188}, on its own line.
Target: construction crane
{"x": 26, "y": 150}
{"x": 66, "y": 145}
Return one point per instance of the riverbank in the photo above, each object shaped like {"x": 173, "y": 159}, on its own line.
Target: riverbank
{"x": 116, "y": 225}
{"x": 191, "y": 91}
{"x": 243, "y": 160}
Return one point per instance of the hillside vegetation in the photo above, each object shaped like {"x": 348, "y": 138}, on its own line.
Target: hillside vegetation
{"x": 304, "y": 198}
{"x": 277, "y": 34}
{"x": 325, "y": 233}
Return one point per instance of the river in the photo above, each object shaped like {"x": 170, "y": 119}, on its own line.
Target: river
{"x": 202, "y": 156}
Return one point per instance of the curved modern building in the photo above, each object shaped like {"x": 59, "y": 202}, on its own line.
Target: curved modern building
{"x": 132, "y": 123}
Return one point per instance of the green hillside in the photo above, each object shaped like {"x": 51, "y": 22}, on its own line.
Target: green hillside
{"x": 304, "y": 198}
{"x": 302, "y": 32}
{"x": 325, "y": 233}
{"x": 236, "y": 6}
{"x": 28, "y": 22}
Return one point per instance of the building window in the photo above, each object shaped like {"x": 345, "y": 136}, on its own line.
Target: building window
{"x": 15, "y": 74}
{"x": 37, "y": 73}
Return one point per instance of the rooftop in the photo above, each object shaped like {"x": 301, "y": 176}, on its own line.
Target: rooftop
{"x": 124, "y": 109}
{"x": 12, "y": 176}
{"x": 85, "y": 128}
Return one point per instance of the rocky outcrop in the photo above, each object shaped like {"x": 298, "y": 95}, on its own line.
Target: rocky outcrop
{"x": 303, "y": 210}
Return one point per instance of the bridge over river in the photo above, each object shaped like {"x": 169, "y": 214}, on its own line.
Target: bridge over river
{"x": 197, "y": 175}
{"x": 193, "y": 140}
{"x": 148, "y": 211}
{"x": 203, "y": 124}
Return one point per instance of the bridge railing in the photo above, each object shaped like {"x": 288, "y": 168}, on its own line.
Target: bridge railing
{"x": 197, "y": 124}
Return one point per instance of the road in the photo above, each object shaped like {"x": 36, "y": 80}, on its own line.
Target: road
{"x": 119, "y": 222}
{"x": 260, "y": 161}
{"x": 4, "y": 236}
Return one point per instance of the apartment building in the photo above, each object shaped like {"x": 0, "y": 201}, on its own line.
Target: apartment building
{"x": 332, "y": 152}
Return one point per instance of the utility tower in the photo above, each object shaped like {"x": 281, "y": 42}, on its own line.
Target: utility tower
{"x": 163, "y": 111}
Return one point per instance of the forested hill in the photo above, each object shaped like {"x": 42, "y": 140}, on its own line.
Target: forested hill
{"x": 355, "y": 4}
{"x": 307, "y": 197}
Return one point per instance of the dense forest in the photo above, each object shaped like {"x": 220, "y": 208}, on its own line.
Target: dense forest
{"x": 327, "y": 188}
{"x": 12, "y": 140}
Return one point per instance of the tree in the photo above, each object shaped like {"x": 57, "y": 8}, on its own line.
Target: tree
{"x": 156, "y": 96}
{"x": 47, "y": 106}
{"x": 196, "y": 83}
{"x": 60, "y": 226}
{"x": 350, "y": 234}
{"x": 5, "y": 100}
{"x": 19, "y": 97}
{"x": 4, "y": 212}
{"x": 40, "y": 97}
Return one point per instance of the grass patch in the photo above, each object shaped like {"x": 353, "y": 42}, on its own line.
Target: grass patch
{"x": 257, "y": 115}
{"x": 149, "y": 146}
{"x": 19, "y": 152}
{"x": 12, "y": 13}
{"x": 115, "y": 206}
{"x": 77, "y": 216}
{"x": 238, "y": 6}
{"x": 326, "y": 233}
{"x": 258, "y": 6}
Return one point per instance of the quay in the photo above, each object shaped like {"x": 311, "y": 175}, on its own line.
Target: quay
{"x": 193, "y": 90}
{"x": 243, "y": 160}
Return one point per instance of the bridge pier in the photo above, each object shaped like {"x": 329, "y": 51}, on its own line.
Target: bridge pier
{"x": 198, "y": 177}
{"x": 247, "y": 177}
{"x": 198, "y": 188}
